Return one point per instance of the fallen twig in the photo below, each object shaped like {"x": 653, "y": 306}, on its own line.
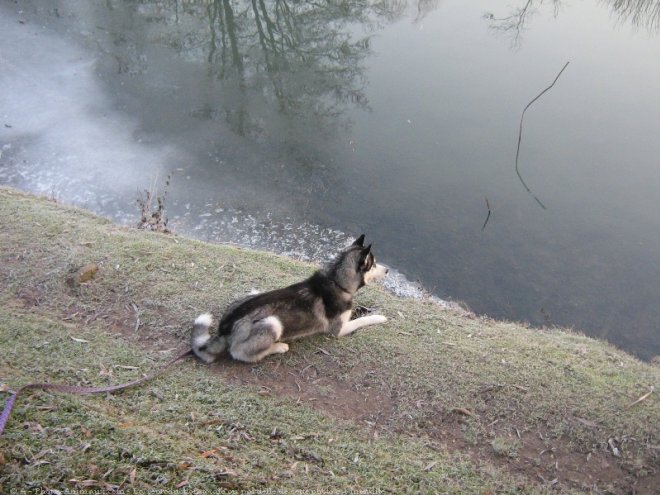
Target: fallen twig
{"x": 520, "y": 387}
{"x": 522, "y": 181}
{"x": 586, "y": 422}
{"x": 643, "y": 397}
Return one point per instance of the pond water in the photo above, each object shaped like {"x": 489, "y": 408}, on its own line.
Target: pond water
{"x": 292, "y": 126}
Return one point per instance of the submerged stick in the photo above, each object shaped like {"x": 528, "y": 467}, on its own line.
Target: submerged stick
{"x": 522, "y": 181}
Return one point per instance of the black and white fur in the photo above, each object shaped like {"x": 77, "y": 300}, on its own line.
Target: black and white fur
{"x": 256, "y": 326}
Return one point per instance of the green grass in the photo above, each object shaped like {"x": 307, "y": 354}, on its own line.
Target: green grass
{"x": 453, "y": 404}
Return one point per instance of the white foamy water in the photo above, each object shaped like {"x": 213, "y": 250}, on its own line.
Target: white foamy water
{"x": 300, "y": 241}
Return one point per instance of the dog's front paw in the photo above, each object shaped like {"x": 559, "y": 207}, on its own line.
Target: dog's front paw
{"x": 280, "y": 348}
{"x": 376, "y": 319}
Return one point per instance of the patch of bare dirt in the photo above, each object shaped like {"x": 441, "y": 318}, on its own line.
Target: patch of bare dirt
{"x": 31, "y": 295}
{"x": 316, "y": 385}
{"x": 555, "y": 463}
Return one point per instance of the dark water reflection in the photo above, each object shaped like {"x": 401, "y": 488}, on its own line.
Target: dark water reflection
{"x": 289, "y": 124}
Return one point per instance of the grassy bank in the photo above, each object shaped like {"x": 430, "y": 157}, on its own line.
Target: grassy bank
{"x": 431, "y": 402}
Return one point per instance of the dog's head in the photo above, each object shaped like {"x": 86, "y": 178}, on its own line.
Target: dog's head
{"x": 367, "y": 266}
{"x": 356, "y": 266}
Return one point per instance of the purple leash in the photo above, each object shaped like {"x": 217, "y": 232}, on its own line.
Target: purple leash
{"x": 70, "y": 389}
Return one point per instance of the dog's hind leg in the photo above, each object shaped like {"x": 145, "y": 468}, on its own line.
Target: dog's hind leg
{"x": 260, "y": 342}
{"x": 351, "y": 326}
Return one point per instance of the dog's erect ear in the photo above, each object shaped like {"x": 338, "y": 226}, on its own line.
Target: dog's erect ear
{"x": 359, "y": 241}
{"x": 364, "y": 255}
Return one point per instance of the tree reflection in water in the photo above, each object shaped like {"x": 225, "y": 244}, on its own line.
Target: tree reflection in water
{"x": 640, "y": 13}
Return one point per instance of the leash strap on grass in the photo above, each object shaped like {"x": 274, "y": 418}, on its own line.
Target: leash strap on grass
{"x": 70, "y": 389}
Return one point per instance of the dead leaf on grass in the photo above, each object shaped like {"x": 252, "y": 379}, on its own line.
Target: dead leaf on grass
{"x": 209, "y": 453}
{"x": 82, "y": 275}
{"x": 464, "y": 412}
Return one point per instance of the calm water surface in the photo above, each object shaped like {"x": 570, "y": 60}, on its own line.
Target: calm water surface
{"x": 291, "y": 126}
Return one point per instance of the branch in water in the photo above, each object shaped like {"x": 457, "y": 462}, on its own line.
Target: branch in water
{"x": 522, "y": 181}
{"x": 487, "y": 216}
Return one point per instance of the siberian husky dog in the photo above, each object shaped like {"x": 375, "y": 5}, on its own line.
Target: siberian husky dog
{"x": 256, "y": 326}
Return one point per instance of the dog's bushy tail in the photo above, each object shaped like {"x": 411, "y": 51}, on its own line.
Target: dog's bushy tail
{"x": 204, "y": 346}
